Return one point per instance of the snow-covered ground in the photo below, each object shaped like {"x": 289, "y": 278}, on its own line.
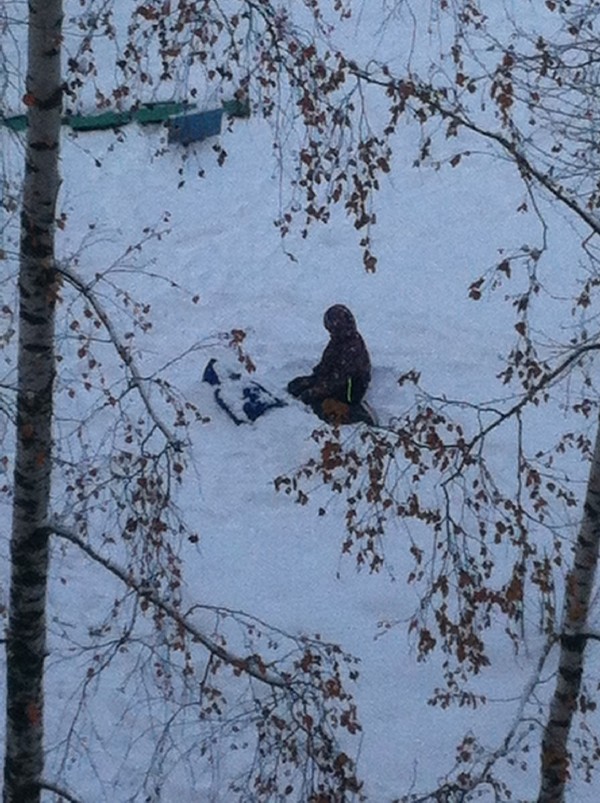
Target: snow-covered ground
{"x": 437, "y": 231}
{"x": 258, "y": 551}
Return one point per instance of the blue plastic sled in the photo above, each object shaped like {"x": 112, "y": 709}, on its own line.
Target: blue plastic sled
{"x": 243, "y": 401}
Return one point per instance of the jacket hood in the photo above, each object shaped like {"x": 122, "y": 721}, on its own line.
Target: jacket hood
{"x": 339, "y": 321}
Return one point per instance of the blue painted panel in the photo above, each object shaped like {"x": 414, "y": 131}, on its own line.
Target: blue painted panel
{"x": 195, "y": 127}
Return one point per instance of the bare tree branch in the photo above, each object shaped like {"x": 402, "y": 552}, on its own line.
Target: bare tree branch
{"x": 58, "y": 790}
{"x": 528, "y": 397}
{"x": 248, "y": 665}
{"x": 523, "y": 163}
{"x": 432, "y": 99}
{"x": 481, "y": 772}
{"x": 122, "y": 350}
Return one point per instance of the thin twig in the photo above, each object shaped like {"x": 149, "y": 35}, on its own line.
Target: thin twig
{"x": 482, "y": 775}
{"x": 250, "y": 665}
{"x": 533, "y": 391}
{"x": 429, "y": 96}
{"x": 529, "y": 396}
{"x": 122, "y": 350}
{"x": 58, "y": 790}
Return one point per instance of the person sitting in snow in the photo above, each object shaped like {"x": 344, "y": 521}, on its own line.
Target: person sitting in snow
{"x": 338, "y": 383}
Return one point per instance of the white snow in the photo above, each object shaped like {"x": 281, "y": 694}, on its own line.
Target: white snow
{"x": 259, "y": 552}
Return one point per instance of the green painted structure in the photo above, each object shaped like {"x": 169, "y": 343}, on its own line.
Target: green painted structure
{"x": 145, "y": 114}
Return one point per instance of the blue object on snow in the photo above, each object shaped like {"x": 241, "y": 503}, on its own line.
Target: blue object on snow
{"x": 195, "y": 127}
{"x": 227, "y": 409}
{"x": 258, "y": 401}
{"x": 243, "y": 402}
{"x": 210, "y": 375}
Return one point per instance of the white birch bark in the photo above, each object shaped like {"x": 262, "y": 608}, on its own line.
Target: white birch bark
{"x": 26, "y": 637}
{"x": 580, "y": 584}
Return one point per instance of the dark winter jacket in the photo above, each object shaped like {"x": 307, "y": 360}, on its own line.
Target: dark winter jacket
{"x": 344, "y": 370}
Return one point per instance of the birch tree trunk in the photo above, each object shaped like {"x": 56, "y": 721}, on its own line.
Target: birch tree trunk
{"x": 26, "y": 638}
{"x": 580, "y": 584}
